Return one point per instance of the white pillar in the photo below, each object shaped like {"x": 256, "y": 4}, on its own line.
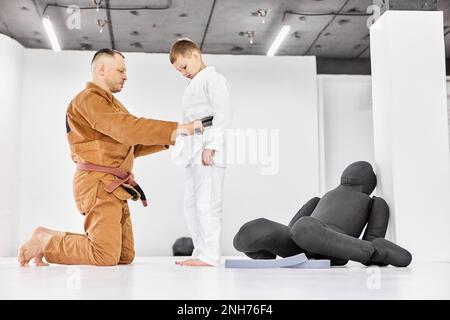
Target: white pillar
{"x": 411, "y": 131}
{"x": 11, "y": 56}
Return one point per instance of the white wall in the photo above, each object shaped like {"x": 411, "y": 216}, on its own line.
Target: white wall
{"x": 278, "y": 93}
{"x": 411, "y": 129}
{"x": 11, "y": 55}
{"x": 345, "y": 102}
{"x": 448, "y": 108}
{"x": 154, "y": 90}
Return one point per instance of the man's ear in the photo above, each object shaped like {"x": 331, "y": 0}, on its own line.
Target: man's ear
{"x": 101, "y": 69}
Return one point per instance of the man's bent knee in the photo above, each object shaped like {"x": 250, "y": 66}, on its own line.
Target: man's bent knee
{"x": 127, "y": 258}
{"x": 106, "y": 258}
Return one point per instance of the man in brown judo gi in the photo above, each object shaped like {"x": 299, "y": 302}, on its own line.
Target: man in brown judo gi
{"x": 104, "y": 140}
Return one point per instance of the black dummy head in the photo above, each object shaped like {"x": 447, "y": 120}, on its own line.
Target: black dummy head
{"x": 360, "y": 174}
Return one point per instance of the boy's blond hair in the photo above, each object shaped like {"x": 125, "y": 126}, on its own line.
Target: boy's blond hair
{"x": 182, "y": 47}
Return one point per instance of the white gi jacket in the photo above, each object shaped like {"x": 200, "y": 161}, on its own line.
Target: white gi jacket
{"x": 206, "y": 94}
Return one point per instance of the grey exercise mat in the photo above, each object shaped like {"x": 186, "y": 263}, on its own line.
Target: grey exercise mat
{"x": 266, "y": 263}
{"x": 313, "y": 264}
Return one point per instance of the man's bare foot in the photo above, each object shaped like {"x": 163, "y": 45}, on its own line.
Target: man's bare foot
{"x": 193, "y": 263}
{"x": 34, "y": 248}
{"x": 39, "y": 262}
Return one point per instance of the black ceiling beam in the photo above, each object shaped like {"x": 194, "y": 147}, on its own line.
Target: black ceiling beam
{"x": 110, "y": 25}
{"x": 326, "y": 27}
{"x": 207, "y": 24}
{"x": 362, "y": 52}
{"x": 167, "y": 6}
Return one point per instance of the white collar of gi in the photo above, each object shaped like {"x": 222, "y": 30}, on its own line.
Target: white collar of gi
{"x": 204, "y": 71}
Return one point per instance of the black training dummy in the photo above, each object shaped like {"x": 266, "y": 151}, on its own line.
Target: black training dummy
{"x": 329, "y": 228}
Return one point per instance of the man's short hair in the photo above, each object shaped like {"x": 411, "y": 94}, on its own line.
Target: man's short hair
{"x": 106, "y": 52}
{"x": 182, "y": 47}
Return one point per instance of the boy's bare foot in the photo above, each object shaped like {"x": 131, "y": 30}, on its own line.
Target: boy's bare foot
{"x": 180, "y": 262}
{"x": 193, "y": 263}
{"x": 34, "y": 248}
{"x": 183, "y": 262}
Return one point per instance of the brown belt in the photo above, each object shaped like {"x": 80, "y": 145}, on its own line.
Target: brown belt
{"x": 124, "y": 178}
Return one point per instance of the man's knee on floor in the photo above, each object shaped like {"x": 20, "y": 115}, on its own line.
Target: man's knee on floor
{"x": 106, "y": 256}
{"x": 127, "y": 258}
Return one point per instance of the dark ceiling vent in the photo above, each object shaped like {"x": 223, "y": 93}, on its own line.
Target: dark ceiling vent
{"x": 343, "y": 22}
{"x": 327, "y": 34}
{"x": 24, "y": 8}
{"x": 302, "y": 18}
{"x": 354, "y": 10}
{"x": 318, "y": 46}
{"x": 85, "y": 37}
{"x": 86, "y": 46}
{"x": 134, "y": 12}
{"x": 134, "y": 33}
{"x": 137, "y": 45}
{"x": 183, "y": 15}
{"x": 297, "y": 35}
{"x": 237, "y": 49}
{"x": 178, "y": 35}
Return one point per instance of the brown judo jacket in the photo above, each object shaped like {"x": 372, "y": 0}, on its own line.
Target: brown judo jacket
{"x": 101, "y": 131}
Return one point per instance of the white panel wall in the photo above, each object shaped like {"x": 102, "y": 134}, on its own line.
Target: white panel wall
{"x": 448, "y": 108}
{"x": 411, "y": 129}
{"x": 11, "y": 56}
{"x": 154, "y": 90}
{"x": 279, "y": 93}
{"x": 346, "y": 106}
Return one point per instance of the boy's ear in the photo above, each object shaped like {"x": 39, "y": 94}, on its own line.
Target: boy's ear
{"x": 195, "y": 54}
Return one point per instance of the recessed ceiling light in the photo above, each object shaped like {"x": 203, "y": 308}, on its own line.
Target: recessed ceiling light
{"x": 278, "y": 40}
{"x": 51, "y": 34}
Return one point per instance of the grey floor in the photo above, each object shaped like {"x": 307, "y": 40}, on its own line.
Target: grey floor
{"x": 160, "y": 278}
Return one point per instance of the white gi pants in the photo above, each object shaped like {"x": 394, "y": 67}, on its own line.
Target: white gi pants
{"x": 203, "y": 197}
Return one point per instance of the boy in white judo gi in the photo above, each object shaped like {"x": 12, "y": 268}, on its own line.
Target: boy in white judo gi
{"x": 206, "y": 95}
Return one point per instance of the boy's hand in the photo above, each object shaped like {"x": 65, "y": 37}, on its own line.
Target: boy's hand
{"x": 207, "y": 157}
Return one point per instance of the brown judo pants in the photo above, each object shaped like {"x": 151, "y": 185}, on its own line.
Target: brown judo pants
{"x": 108, "y": 239}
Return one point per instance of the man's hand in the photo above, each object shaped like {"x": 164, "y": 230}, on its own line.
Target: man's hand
{"x": 190, "y": 128}
{"x": 207, "y": 157}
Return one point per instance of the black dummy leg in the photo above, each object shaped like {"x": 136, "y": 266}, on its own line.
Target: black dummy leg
{"x": 262, "y": 254}
{"x": 386, "y": 252}
{"x": 378, "y": 220}
{"x": 319, "y": 238}
{"x": 333, "y": 261}
{"x": 265, "y": 239}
